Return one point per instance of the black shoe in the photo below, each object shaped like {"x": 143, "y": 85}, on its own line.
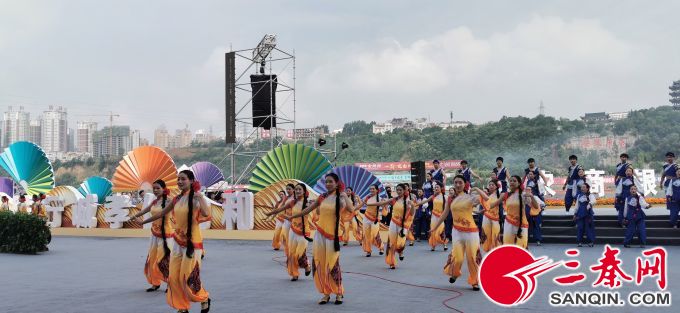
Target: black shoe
{"x": 446, "y": 247}
{"x": 475, "y": 288}
{"x": 411, "y": 244}
{"x": 432, "y": 249}
{"x": 153, "y": 288}
{"x": 452, "y": 280}
{"x": 276, "y": 249}
{"x": 338, "y": 299}
{"x": 368, "y": 255}
{"x": 344, "y": 244}
{"x": 294, "y": 279}
{"x": 325, "y": 300}
{"x": 401, "y": 258}
{"x": 382, "y": 252}
{"x": 392, "y": 267}
{"x": 580, "y": 245}
{"x": 308, "y": 271}
{"x": 205, "y": 306}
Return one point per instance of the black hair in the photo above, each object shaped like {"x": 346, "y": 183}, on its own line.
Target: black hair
{"x": 304, "y": 206}
{"x": 336, "y": 239}
{"x": 377, "y": 199}
{"x": 499, "y": 159}
{"x": 531, "y": 160}
{"x": 161, "y": 183}
{"x": 521, "y": 205}
{"x": 35, "y": 197}
{"x": 190, "y": 219}
{"x": 670, "y": 154}
{"x": 623, "y": 155}
{"x": 292, "y": 187}
{"x": 573, "y": 157}
{"x": 352, "y": 196}
{"x": 587, "y": 192}
{"x": 464, "y": 162}
{"x": 141, "y": 192}
{"x": 498, "y": 191}
{"x": 403, "y": 216}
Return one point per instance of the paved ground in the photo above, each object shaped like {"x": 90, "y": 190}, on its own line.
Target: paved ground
{"x": 106, "y": 275}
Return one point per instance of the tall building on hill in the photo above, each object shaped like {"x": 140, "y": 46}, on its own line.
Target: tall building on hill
{"x": 15, "y": 126}
{"x": 54, "y": 130}
{"x": 161, "y": 138}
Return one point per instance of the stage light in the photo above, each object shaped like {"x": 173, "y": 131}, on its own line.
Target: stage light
{"x": 321, "y": 142}
{"x": 344, "y": 146}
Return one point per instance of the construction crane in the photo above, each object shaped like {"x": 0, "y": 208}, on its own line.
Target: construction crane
{"x": 110, "y": 116}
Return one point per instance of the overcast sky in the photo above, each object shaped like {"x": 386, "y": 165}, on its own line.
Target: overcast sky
{"x": 161, "y": 62}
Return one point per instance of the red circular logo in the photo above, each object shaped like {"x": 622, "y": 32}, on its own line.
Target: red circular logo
{"x": 507, "y": 274}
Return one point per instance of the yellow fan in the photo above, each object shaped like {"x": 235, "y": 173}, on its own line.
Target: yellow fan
{"x": 141, "y": 167}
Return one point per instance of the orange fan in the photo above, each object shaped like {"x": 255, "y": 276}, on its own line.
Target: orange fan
{"x": 141, "y": 167}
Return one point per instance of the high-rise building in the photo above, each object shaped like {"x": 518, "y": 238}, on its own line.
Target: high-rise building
{"x": 35, "y": 131}
{"x": 135, "y": 138}
{"x": 112, "y": 141}
{"x": 85, "y": 137}
{"x": 71, "y": 146}
{"x": 183, "y": 137}
{"x": 201, "y": 136}
{"x": 15, "y": 126}
{"x": 54, "y": 130}
{"x": 161, "y": 138}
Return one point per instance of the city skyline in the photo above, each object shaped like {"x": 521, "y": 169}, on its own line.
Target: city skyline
{"x": 164, "y": 63}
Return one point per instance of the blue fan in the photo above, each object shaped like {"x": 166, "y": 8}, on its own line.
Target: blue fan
{"x": 353, "y": 176}
{"x": 28, "y": 165}
{"x": 97, "y": 185}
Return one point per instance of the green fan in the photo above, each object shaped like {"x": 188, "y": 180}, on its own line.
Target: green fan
{"x": 28, "y": 165}
{"x": 293, "y": 161}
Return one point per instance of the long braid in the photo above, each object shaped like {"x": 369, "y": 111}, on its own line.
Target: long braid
{"x": 521, "y": 211}
{"x": 190, "y": 244}
{"x": 336, "y": 239}
{"x": 377, "y": 199}
{"x": 161, "y": 183}
{"x": 403, "y": 216}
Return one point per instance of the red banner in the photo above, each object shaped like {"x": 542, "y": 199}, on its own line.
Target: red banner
{"x": 404, "y": 166}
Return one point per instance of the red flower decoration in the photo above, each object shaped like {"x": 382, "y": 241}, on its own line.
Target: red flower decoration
{"x": 166, "y": 191}
{"x": 196, "y": 186}
{"x": 341, "y": 186}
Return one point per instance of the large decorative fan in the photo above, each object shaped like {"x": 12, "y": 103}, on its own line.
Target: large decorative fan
{"x": 96, "y": 185}
{"x": 294, "y": 161}
{"x": 265, "y": 200}
{"x": 141, "y": 167}
{"x": 207, "y": 173}
{"x": 353, "y": 176}
{"x": 69, "y": 194}
{"x": 7, "y": 186}
{"x": 28, "y": 165}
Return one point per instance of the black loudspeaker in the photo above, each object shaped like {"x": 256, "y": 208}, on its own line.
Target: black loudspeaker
{"x": 230, "y": 103}
{"x": 264, "y": 100}
{"x": 417, "y": 174}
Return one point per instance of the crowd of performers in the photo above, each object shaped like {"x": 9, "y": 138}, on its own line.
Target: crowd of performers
{"x": 471, "y": 220}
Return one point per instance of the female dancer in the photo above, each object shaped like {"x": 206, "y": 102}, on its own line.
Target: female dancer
{"x": 5, "y": 204}
{"x": 584, "y": 215}
{"x": 371, "y": 218}
{"x": 623, "y": 191}
{"x": 635, "y": 217}
{"x": 282, "y": 225}
{"x": 190, "y": 209}
{"x": 491, "y": 228}
{"x": 516, "y": 227}
{"x": 326, "y": 249}
{"x": 437, "y": 236}
{"x": 157, "y": 264}
{"x": 22, "y": 207}
{"x": 350, "y": 223}
{"x": 396, "y": 238}
{"x": 465, "y": 233}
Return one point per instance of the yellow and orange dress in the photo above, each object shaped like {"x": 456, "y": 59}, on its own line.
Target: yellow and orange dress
{"x": 465, "y": 237}
{"x": 395, "y": 241}
{"x": 371, "y": 226}
{"x": 349, "y": 225}
{"x": 326, "y": 261}
{"x": 22, "y": 207}
{"x": 511, "y": 203}
{"x": 297, "y": 242}
{"x": 157, "y": 266}
{"x": 184, "y": 279}
{"x": 279, "y": 236}
{"x": 38, "y": 210}
{"x": 491, "y": 227}
{"x": 4, "y": 206}
{"x": 438, "y": 235}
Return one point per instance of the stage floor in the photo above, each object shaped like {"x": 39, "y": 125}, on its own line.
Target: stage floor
{"x": 88, "y": 274}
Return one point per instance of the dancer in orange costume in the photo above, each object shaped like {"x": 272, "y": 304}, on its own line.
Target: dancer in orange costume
{"x": 157, "y": 266}
{"x": 349, "y": 223}
{"x": 437, "y": 235}
{"x": 516, "y": 227}
{"x": 491, "y": 227}
{"x": 396, "y": 238}
{"x": 371, "y": 225}
{"x": 282, "y": 225}
{"x": 326, "y": 248}
{"x": 298, "y": 236}
{"x": 22, "y": 207}
{"x": 189, "y": 209}
{"x": 464, "y": 233}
